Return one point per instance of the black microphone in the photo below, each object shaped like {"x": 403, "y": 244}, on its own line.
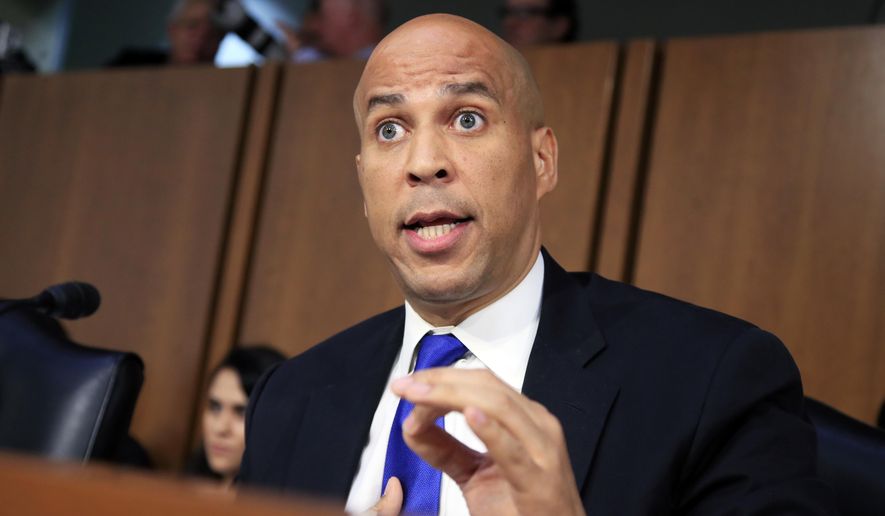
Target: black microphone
{"x": 70, "y": 300}
{"x": 231, "y": 16}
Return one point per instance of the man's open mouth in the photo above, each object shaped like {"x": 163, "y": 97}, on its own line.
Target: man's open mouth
{"x": 434, "y": 226}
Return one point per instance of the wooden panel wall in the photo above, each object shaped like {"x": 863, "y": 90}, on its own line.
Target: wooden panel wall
{"x": 766, "y": 196}
{"x": 317, "y": 271}
{"x": 124, "y": 179}
{"x": 315, "y": 268}
{"x": 240, "y": 238}
{"x": 625, "y": 175}
{"x": 577, "y": 85}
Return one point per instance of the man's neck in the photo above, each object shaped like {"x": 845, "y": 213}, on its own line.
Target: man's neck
{"x": 454, "y": 313}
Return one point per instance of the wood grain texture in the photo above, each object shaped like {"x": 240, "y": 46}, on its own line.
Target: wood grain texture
{"x": 123, "y": 179}
{"x": 766, "y": 196}
{"x": 240, "y": 237}
{"x": 626, "y": 173}
{"x": 316, "y": 269}
{"x": 29, "y": 487}
{"x": 577, "y": 83}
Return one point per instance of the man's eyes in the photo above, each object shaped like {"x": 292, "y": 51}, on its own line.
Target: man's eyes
{"x": 390, "y": 132}
{"x": 465, "y": 121}
{"x": 469, "y": 121}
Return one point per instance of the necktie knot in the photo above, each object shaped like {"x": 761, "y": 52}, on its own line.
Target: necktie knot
{"x": 438, "y": 351}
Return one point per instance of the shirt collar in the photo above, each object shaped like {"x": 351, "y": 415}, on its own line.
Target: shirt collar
{"x": 500, "y": 335}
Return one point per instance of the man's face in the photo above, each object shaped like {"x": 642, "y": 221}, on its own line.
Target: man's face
{"x": 528, "y": 22}
{"x": 449, "y": 168}
{"x": 193, "y": 38}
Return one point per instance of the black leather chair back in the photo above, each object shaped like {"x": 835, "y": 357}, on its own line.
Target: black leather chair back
{"x": 59, "y": 399}
{"x": 851, "y": 458}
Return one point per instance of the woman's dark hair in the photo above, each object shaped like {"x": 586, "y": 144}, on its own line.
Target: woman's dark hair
{"x": 249, "y": 362}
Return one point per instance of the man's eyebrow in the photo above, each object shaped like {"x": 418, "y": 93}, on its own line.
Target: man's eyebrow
{"x": 385, "y": 100}
{"x": 469, "y": 88}
{"x": 455, "y": 88}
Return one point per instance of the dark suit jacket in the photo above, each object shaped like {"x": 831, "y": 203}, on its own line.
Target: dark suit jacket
{"x": 667, "y": 408}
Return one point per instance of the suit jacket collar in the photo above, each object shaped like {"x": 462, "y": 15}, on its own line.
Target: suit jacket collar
{"x": 336, "y": 422}
{"x": 560, "y": 373}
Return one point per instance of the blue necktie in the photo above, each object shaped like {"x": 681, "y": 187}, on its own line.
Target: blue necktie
{"x": 420, "y": 481}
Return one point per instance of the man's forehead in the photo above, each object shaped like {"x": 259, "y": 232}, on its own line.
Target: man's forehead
{"x": 447, "y": 54}
{"x": 451, "y": 74}
{"x": 402, "y": 96}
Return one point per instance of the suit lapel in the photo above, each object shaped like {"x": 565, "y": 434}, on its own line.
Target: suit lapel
{"x": 338, "y": 416}
{"x": 560, "y": 375}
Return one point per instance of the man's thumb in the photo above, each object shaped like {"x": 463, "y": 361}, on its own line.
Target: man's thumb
{"x": 391, "y": 501}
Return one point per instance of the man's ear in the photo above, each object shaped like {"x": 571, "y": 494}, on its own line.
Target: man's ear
{"x": 545, "y": 153}
{"x": 359, "y": 168}
{"x": 359, "y": 171}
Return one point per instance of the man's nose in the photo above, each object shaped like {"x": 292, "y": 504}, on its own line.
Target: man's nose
{"x": 428, "y": 159}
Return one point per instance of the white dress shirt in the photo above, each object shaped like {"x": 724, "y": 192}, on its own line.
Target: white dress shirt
{"x": 499, "y": 338}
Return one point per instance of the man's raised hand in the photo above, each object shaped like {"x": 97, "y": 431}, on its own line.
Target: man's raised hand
{"x": 526, "y": 469}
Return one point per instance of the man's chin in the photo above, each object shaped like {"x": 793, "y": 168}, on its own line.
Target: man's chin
{"x": 436, "y": 290}
{"x": 441, "y": 296}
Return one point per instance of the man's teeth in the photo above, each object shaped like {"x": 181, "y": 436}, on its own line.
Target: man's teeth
{"x": 431, "y": 232}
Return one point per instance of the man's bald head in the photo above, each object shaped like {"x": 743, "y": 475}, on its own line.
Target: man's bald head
{"x": 443, "y": 38}
{"x": 454, "y": 159}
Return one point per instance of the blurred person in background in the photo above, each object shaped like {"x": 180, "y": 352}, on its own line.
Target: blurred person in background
{"x": 223, "y": 426}
{"x": 193, "y": 36}
{"x": 13, "y": 57}
{"x": 539, "y": 22}
{"x": 337, "y": 29}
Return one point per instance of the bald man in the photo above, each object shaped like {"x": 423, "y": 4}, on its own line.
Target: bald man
{"x": 505, "y": 385}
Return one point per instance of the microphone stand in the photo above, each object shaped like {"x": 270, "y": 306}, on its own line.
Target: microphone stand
{"x": 15, "y": 304}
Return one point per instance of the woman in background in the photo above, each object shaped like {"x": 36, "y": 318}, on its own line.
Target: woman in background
{"x": 223, "y": 424}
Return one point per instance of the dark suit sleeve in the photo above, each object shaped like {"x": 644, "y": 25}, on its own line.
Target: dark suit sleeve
{"x": 247, "y": 472}
{"x": 754, "y": 451}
